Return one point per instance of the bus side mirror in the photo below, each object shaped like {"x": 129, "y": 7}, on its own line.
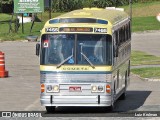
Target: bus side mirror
{"x": 37, "y": 49}
{"x": 115, "y": 51}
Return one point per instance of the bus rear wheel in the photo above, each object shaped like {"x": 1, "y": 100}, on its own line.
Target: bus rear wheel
{"x": 50, "y": 109}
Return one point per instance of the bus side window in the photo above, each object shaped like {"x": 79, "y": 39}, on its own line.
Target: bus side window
{"x": 117, "y": 37}
{"x": 127, "y": 32}
{"x": 120, "y": 36}
{"x": 129, "y": 26}
{"x": 115, "y": 44}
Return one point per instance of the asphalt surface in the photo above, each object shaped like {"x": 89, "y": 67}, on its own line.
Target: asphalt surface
{"x": 147, "y": 41}
{"x": 21, "y": 90}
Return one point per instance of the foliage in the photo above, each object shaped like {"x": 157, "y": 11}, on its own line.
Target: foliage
{"x": 144, "y": 1}
{"x": 68, "y": 5}
{"x": 103, "y": 3}
{"x": 65, "y": 5}
{"x": 6, "y": 1}
{"x": 0, "y": 6}
{"x": 143, "y": 19}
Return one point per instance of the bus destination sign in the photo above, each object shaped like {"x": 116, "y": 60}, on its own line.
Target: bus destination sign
{"x": 76, "y": 29}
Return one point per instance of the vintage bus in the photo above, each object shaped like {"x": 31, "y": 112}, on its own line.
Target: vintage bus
{"x": 85, "y": 58}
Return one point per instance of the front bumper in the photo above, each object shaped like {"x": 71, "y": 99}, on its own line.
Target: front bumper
{"x": 99, "y": 100}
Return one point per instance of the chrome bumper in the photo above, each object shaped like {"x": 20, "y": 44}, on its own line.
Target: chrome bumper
{"x": 50, "y": 100}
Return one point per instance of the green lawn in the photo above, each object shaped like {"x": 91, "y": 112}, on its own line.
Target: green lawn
{"x": 5, "y": 17}
{"x": 142, "y": 58}
{"x": 145, "y": 23}
{"x": 4, "y": 27}
{"x": 153, "y": 72}
{"x": 144, "y": 9}
{"x": 20, "y": 36}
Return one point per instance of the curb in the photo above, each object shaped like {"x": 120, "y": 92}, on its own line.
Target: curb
{"x": 147, "y": 31}
{"x": 147, "y": 79}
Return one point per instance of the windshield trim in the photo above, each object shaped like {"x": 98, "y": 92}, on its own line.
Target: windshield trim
{"x": 76, "y": 52}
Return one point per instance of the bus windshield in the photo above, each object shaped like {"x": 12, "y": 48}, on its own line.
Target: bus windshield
{"x": 80, "y": 49}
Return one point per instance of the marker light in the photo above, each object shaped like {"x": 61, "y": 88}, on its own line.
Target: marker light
{"x": 108, "y": 88}
{"x": 42, "y": 88}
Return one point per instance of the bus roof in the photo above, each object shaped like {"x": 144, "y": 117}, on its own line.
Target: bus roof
{"x": 111, "y": 15}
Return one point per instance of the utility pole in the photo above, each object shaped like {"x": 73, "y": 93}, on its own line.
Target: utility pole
{"x": 130, "y": 7}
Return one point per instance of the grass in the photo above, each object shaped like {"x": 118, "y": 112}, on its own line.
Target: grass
{"x": 5, "y": 17}
{"x": 144, "y": 9}
{"x": 144, "y": 16}
{"x": 142, "y": 58}
{"x": 145, "y": 23}
{"x": 153, "y": 72}
{"x": 20, "y": 36}
{"x": 4, "y": 27}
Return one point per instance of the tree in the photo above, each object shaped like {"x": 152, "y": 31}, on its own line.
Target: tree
{"x": 6, "y": 1}
{"x": 66, "y": 5}
{"x": 88, "y": 3}
{"x": 103, "y": 3}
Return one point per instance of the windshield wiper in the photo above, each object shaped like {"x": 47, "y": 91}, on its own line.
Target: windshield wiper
{"x": 88, "y": 60}
{"x": 59, "y": 65}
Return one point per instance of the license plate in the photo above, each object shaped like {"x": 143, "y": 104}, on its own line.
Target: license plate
{"x": 75, "y": 89}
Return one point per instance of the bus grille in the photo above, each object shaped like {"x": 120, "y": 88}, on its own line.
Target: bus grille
{"x": 73, "y": 78}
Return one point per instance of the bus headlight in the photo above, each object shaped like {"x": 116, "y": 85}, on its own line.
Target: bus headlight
{"x": 94, "y": 88}
{"x": 49, "y": 88}
{"x": 100, "y": 88}
{"x": 97, "y": 88}
{"x": 55, "y": 88}
{"x": 52, "y": 88}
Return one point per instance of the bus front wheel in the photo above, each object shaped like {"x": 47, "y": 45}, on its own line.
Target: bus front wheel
{"x": 50, "y": 109}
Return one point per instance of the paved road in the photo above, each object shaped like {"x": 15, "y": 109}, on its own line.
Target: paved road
{"x": 20, "y": 91}
{"x": 148, "y": 42}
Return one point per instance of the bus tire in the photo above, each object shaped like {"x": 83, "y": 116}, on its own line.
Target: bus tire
{"x": 50, "y": 109}
{"x": 111, "y": 108}
{"x": 123, "y": 96}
